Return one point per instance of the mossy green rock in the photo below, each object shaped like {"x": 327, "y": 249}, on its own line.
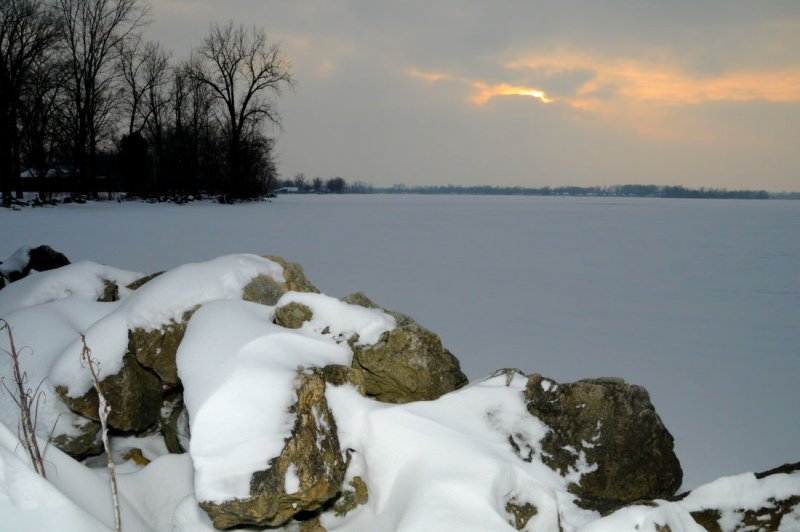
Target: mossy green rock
{"x": 86, "y": 443}
{"x": 134, "y": 395}
{"x": 408, "y": 364}
{"x": 613, "y": 426}
{"x": 312, "y": 451}
{"x": 156, "y": 349}
{"x": 293, "y": 315}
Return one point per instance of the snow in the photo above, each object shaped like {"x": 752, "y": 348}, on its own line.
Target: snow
{"x": 83, "y": 279}
{"x": 28, "y": 502}
{"x": 16, "y": 262}
{"x": 695, "y": 300}
{"x": 446, "y": 461}
{"x": 291, "y": 480}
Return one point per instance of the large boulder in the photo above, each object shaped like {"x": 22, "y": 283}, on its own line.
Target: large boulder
{"x": 134, "y": 395}
{"x": 310, "y": 469}
{"x": 408, "y": 363}
{"x": 608, "y": 432}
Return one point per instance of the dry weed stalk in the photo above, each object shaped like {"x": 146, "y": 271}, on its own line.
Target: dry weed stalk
{"x": 103, "y": 410}
{"x": 27, "y": 401}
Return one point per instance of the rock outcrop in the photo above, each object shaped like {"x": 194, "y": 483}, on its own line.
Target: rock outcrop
{"x": 407, "y": 364}
{"x": 608, "y": 431}
{"x": 309, "y": 471}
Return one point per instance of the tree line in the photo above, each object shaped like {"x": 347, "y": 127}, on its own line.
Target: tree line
{"x": 88, "y": 105}
{"x": 641, "y": 191}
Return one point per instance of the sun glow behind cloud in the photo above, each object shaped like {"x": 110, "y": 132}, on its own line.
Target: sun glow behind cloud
{"x": 615, "y": 80}
{"x": 485, "y": 91}
{"x": 652, "y": 97}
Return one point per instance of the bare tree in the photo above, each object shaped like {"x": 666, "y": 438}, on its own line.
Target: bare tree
{"x": 143, "y": 67}
{"x": 38, "y": 114}
{"x": 190, "y": 103}
{"x": 26, "y": 33}
{"x": 103, "y": 411}
{"x": 241, "y": 69}
{"x": 93, "y": 32}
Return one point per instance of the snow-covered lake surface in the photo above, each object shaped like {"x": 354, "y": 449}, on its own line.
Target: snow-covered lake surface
{"x": 697, "y": 300}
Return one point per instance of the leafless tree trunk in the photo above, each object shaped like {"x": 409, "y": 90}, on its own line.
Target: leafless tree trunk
{"x": 27, "y": 401}
{"x": 26, "y": 33}
{"x": 241, "y": 68}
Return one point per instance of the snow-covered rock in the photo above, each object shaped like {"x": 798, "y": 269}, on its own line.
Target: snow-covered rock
{"x": 26, "y": 260}
{"x": 270, "y": 387}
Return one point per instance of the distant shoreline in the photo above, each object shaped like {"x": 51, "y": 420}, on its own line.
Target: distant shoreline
{"x": 616, "y": 191}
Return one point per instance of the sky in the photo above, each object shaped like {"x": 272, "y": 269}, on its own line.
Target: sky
{"x": 527, "y": 93}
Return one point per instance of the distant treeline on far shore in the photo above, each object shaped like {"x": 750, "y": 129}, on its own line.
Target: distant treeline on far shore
{"x": 639, "y": 191}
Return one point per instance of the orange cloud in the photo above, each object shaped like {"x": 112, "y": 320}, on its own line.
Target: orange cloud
{"x": 637, "y": 80}
{"x": 485, "y": 91}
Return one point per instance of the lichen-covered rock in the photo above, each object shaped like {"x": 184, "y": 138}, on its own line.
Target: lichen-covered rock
{"x": 293, "y": 315}
{"x": 156, "y": 349}
{"x": 134, "y": 394}
{"x": 307, "y": 474}
{"x": 267, "y": 291}
{"x": 408, "y": 364}
{"x": 86, "y": 443}
{"x": 609, "y": 431}
{"x": 338, "y": 375}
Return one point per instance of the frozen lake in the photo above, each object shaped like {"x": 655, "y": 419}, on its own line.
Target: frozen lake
{"x": 697, "y": 300}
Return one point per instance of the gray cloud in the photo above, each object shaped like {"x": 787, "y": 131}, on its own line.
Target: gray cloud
{"x": 358, "y": 113}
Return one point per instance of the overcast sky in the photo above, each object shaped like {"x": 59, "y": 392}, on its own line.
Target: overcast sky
{"x": 523, "y": 92}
